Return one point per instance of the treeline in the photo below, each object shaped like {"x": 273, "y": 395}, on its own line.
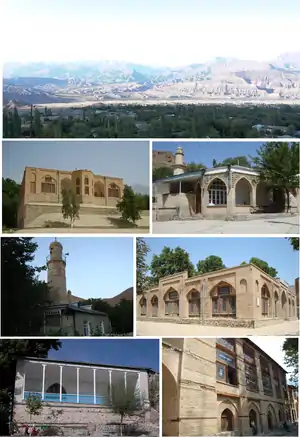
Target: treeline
{"x": 172, "y": 261}
{"x": 155, "y": 121}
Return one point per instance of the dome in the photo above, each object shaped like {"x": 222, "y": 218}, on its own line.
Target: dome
{"x": 55, "y": 244}
{"x": 179, "y": 150}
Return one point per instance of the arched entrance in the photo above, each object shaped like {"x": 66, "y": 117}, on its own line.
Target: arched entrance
{"x": 170, "y": 403}
{"x": 198, "y": 198}
{"x": 271, "y": 418}
{"x": 154, "y": 305}
{"x": 171, "y": 303}
{"x": 265, "y": 301}
{"x": 143, "y": 306}
{"x": 227, "y": 420}
{"x": 194, "y": 303}
{"x": 276, "y": 298}
{"x": 243, "y": 192}
{"x": 278, "y": 200}
{"x": 253, "y": 419}
{"x": 284, "y": 304}
{"x": 290, "y": 308}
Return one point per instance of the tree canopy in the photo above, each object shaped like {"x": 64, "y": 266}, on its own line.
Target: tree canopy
{"x": 291, "y": 356}
{"x": 10, "y": 203}
{"x": 130, "y": 206}
{"x": 23, "y": 295}
{"x": 263, "y": 265}
{"x": 142, "y": 249}
{"x": 161, "y": 173}
{"x": 237, "y": 160}
{"x": 171, "y": 261}
{"x": 211, "y": 263}
{"x": 279, "y": 166}
{"x": 294, "y": 242}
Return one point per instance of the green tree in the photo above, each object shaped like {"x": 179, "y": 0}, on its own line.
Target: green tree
{"x": 143, "y": 200}
{"x": 10, "y": 352}
{"x": 211, "y": 263}
{"x": 23, "y": 295}
{"x": 291, "y": 356}
{"x": 125, "y": 402}
{"x": 129, "y": 206}
{"x": 34, "y": 405}
{"x": 142, "y": 249}
{"x": 237, "y": 160}
{"x": 279, "y": 166}
{"x": 70, "y": 206}
{"x": 120, "y": 315}
{"x": 10, "y": 203}
{"x": 37, "y": 124}
{"x": 263, "y": 265}
{"x": 294, "y": 242}
{"x": 16, "y": 124}
{"x": 161, "y": 173}
{"x": 193, "y": 166}
{"x": 171, "y": 261}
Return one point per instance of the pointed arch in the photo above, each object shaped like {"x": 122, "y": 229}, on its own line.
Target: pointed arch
{"x": 271, "y": 417}
{"x": 243, "y": 286}
{"x": 223, "y": 297}
{"x": 99, "y": 189}
{"x": 276, "y": 301}
{"x": 48, "y": 185}
{"x": 194, "y": 300}
{"x": 217, "y": 192}
{"x": 171, "y": 299}
{"x": 143, "y": 306}
{"x": 33, "y": 183}
{"x": 154, "y": 306}
{"x": 113, "y": 190}
{"x": 265, "y": 300}
{"x": 243, "y": 192}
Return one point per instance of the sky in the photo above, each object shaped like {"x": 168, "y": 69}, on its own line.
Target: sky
{"x": 273, "y": 347}
{"x": 116, "y": 352}
{"x": 205, "y": 152}
{"x": 277, "y": 252}
{"x": 107, "y": 158}
{"x": 96, "y": 267}
{"x": 168, "y": 32}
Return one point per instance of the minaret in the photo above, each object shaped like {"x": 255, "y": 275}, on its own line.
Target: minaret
{"x": 179, "y": 166}
{"x": 56, "y": 274}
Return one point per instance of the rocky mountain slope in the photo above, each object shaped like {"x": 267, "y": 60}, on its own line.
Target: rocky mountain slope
{"x": 222, "y": 78}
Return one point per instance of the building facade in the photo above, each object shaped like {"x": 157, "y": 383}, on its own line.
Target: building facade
{"x": 74, "y": 393}
{"x": 41, "y": 192}
{"x": 216, "y": 192}
{"x": 293, "y": 404}
{"x": 220, "y": 387}
{"x": 238, "y": 296}
{"x": 65, "y": 314}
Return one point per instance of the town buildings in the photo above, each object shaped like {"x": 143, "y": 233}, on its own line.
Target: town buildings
{"x": 293, "y": 403}
{"x": 216, "y": 192}
{"x": 65, "y": 314}
{"x": 242, "y": 296}
{"x": 41, "y": 193}
{"x": 219, "y": 386}
{"x": 74, "y": 395}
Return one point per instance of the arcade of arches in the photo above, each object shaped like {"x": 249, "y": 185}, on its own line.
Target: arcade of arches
{"x": 239, "y": 293}
{"x": 197, "y": 403}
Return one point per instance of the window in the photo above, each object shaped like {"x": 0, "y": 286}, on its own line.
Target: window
{"x": 276, "y": 383}
{"x": 224, "y": 302}
{"x": 154, "y": 303}
{"x": 143, "y": 304}
{"x": 32, "y": 187}
{"x": 86, "y": 181}
{"x": 250, "y": 368}
{"x": 78, "y": 186}
{"x": 78, "y": 191}
{"x": 86, "y": 190}
{"x": 265, "y": 296}
{"x": 266, "y": 377}
{"x": 226, "y": 361}
{"x": 48, "y": 186}
{"x": 87, "y": 329}
{"x": 113, "y": 190}
{"x": 226, "y": 420}
{"x": 172, "y": 303}
{"x": 217, "y": 192}
{"x": 194, "y": 303}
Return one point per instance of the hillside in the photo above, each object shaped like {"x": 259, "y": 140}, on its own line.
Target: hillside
{"x": 126, "y": 295}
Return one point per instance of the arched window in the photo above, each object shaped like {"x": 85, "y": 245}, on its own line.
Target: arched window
{"x": 154, "y": 304}
{"x": 33, "y": 183}
{"x": 172, "y": 303}
{"x": 113, "y": 190}
{"x": 290, "y": 308}
{"x": 265, "y": 297}
{"x": 217, "y": 192}
{"x": 243, "y": 192}
{"x": 227, "y": 420}
{"x": 48, "y": 185}
{"x": 224, "y": 301}
{"x": 194, "y": 303}
{"x": 99, "y": 189}
{"x": 143, "y": 305}
{"x": 78, "y": 186}
{"x": 86, "y": 181}
{"x": 86, "y": 186}
{"x": 280, "y": 416}
{"x": 276, "y": 298}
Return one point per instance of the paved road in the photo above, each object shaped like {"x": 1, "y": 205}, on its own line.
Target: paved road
{"x": 173, "y": 329}
{"x": 276, "y": 225}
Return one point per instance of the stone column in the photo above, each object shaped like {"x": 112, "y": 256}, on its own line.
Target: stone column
{"x": 94, "y": 380}
{"x": 43, "y": 382}
{"x": 60, "y": 383}
{"x": 253, "y": 195}
{"x": 110, "y": 391}
{"x": 125, "y": 381}
{"x": 77, "y": 384}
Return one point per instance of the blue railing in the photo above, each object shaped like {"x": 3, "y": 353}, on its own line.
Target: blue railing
{"x": 71, "y": 398}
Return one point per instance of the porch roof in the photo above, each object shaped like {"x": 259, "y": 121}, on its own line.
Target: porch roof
{"x": 84, "y": 364}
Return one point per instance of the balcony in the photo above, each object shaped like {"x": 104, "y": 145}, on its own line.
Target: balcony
{"x": 71, "y": 398}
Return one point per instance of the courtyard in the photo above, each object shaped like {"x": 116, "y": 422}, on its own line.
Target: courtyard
{"x": 270, "y": 224}
{"x": 145, "y": 328}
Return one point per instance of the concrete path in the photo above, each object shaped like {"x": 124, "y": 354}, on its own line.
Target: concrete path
{"x": 110, "y": 230}
{"x": 276, "y": 225}
{"x": 178, "y": 330}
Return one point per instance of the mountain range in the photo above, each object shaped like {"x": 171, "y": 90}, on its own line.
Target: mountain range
{"x": 221, "y": 78}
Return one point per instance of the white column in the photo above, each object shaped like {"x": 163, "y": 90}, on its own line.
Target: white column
{"x": 24, "y": 386}
{"x": 60, "y": 384}
{"x": 78, "y": 385}
{"x": 43, "y": 384}
{"x": 94, "y": 375}
{"x": 139, "y": 385}
{"x": 125, "y": 380}
{"x": 110, "y": 393}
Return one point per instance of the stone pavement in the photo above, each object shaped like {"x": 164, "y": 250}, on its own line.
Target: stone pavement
{"x": 276, "y": 225}
{"x": 174, "y": 329}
